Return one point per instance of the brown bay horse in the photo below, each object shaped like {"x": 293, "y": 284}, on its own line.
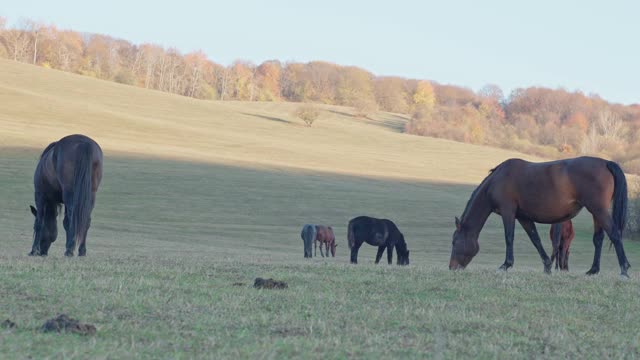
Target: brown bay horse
{"x": 548, "y": 193}
{"x": 69, "y": 172}
{"x": 382, "y": 233}
{"x": 326, "y": 237}
{"x": 561, "y": 235}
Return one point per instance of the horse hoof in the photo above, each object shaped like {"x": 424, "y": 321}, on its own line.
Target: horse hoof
{"x": 624, "y": 277}
{"x": 68, "y": 254}
{"x": 593, "y": 272}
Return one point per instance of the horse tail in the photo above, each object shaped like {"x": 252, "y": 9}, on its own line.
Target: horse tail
{"x": 351, "y": 235}
{"x": 620, "y": 196}
{"x": 82, "y": 189}
{"x": 332, "y": 239}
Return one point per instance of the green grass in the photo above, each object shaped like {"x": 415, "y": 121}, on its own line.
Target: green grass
{"x": 169, "y": 238}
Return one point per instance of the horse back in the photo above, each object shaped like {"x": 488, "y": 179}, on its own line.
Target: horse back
{"x": 308, "y": 232}
{"x": 370, "y": 230}
{"x": 69, "y": 150}
{"x": 550, "y": 191}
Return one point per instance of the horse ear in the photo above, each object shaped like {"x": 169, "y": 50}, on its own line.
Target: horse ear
{"x": 33, "y": 210}
{"x": 457, "y": 223}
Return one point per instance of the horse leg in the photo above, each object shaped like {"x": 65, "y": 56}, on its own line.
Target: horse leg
{"x": 555, "y": 243}
{"x": 530, "y": 227}
{"x": 82, "y": 249}
{"x": 308, "y": 253}
{"x": 315, "y": 245}
{"x": 602, "y": 217}
{"x": 69, "y": 229}
{"x": 321, "y": 253}
{"x": 566, "y": 260}
{"x": 390, "y": 254}
{"x": 615, "y": 236}
{"x": 509, "y": 222}
{"x": 379, "y": 254}
{"x": 598, "y": 237}
{"x": 354, "y": 252}
{"x": 560, "y": 258}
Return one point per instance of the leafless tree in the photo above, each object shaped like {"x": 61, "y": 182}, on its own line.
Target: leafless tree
{"x": 610, "y": 125}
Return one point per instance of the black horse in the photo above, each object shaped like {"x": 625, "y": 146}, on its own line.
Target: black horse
{"x": 69, "y": 172}
{"x": 382, "y": 233}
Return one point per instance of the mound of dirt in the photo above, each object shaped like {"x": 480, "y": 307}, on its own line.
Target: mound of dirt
{"x": 8, "y": 324}
{"x": 261, "y": 283}
{"x": 64, "y": 323}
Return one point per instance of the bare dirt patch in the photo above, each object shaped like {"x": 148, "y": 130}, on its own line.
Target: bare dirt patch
{"x": 8, "y": 324}
{"x": 289, "y": 331}
{"x": 64, "y": 323}
{"x": 261, "y": 283}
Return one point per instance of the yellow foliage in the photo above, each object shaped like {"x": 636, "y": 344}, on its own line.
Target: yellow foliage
{"x": 424, "y": 95}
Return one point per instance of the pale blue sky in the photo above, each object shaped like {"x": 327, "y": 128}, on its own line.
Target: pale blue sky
{"x": 587, "y": 45}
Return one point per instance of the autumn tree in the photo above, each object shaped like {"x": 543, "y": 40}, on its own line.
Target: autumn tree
{"x": 3, "y": 46}
{"x": 491, "y": 92}
{"x": 391, "y": 94}
{"x": 321, "y": 78}
{"x": 268, "y": 79}
{"x": 293, "y": 86}
{"x": 577, "y": 120}
{"x": 424, "y": 96}
{"x": 17, "y": 43}
{"x": 450, "y": 95}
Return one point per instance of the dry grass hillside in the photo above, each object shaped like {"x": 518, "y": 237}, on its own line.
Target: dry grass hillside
{"x": 41, "y": 105}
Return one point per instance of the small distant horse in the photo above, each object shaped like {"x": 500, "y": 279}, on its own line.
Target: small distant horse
{"x": 69, "y": 172}
{"x": 548, "y": 193}
{"x": 308, "y": 236}
{"x": 561, "y": 235}
{"x": 326, "y": 237}
{"x": 382, "y": 233}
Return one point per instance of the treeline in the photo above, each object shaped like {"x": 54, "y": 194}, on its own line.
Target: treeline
{"x": 541, "y": 121}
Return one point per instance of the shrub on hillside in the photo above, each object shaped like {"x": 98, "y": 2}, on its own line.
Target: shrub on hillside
{"x": 125, "y": 76}
{"x": 307, "y": 113}
{"x": 364, "y": 107}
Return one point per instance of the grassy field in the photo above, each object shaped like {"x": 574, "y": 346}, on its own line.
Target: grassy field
{"x": 202, "y": 195}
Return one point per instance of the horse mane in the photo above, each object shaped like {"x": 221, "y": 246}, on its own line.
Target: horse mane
{"x": 48, "y": 148}
{"x": 475, "y": 192}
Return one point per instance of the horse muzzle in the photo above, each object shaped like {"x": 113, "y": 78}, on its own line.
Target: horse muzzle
{"x": 454, "y": 265}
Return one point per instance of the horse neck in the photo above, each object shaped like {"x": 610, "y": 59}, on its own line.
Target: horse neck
{"x": 478, "y": 213}
{"x": 401, "y": 244}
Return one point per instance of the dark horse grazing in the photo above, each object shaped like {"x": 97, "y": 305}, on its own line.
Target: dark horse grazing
{"x": 308, "y": 235}
{"x": 561, "y": 235}
{"x": 326, "y": 237}
{"x": 69, "y": 172}
{"x": 382, "y": 233}
{"x": 548, "y": 193}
